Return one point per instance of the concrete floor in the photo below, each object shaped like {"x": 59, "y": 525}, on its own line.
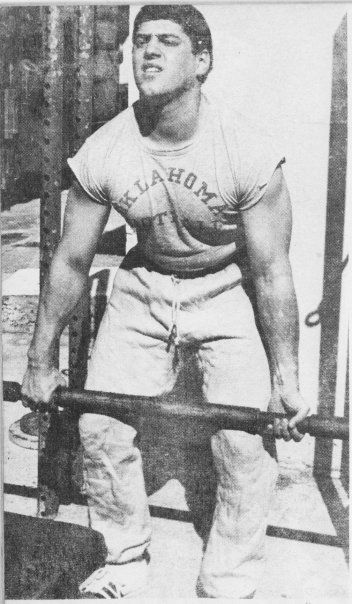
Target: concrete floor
{"x": 296, "y": 570}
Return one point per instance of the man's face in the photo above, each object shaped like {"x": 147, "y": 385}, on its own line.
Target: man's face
{"x": 163, "y": 61}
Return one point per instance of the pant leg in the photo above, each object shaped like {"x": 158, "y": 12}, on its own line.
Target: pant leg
{"x": 130, "y": 356}
{"x": 235, "y": 371}
{"x": 235, "y": 553}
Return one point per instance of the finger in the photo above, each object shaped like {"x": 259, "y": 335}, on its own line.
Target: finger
{"x": 286, "y": 434}
{"x": 28, "y": 402}
{"x": 297, "y": 436}
{"x": 24, "y": 400}
{"x": 299, "y": 417}
{"x": 277, "y": 428}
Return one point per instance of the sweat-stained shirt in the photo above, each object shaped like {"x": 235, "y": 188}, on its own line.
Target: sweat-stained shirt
{"x": 184, "y": 202}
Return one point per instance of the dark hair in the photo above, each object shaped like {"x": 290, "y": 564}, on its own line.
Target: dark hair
{"x": 191, "y": 20}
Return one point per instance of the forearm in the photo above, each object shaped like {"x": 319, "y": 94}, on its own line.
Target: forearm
{"x": 278, "y": 314}
{"x": 61, "y": 292}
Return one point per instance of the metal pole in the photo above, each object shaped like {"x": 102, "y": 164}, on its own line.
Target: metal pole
{"x": 333, "y": 261}
{"x": 50, "y": 214}
{"x": 84, "y": 74}
{"x": 50, "y": 210}
{"x": 9, "y": 56}
{"x": 79, "y": 329}
{"x": 226, "y": 417}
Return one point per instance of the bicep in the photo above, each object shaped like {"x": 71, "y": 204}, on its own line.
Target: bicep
{"x": 268, "y": 225}
{"x": 84, "y": 222}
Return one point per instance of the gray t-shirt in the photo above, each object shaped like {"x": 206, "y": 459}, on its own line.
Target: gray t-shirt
{"x": 184, "y": 202}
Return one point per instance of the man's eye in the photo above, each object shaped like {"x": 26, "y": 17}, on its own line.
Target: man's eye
{"x": 170, "y": 41}
{"x": 140, "y": 41}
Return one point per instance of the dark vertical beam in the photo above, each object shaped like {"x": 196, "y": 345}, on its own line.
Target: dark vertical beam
{"x": 50, "y": 221}
{"x": 50, "y": 209}
{"x": 84, "y": 74}
{"x": 79, "y": 330}
{"x": 9, "y": 58}
{"x": 3, "y": 205}
{"x": 333, "y": 266}
{"x": 333, "y": 260}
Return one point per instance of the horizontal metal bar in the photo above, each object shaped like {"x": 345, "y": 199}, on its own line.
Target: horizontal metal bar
{"x": 186, "y": 516}
{"x": 130, "y": 409}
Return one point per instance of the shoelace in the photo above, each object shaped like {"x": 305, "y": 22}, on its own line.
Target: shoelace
{"x": 103, "y": 583}
{"x": 100, "y": 584}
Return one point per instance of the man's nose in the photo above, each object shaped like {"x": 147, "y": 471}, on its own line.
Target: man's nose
{"x": 152, "y": 48}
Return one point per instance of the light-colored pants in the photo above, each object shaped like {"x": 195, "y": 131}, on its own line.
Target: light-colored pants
{"x": 133, "y": 354}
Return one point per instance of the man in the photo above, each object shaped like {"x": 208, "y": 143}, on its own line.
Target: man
{"x": 203, "y": 189}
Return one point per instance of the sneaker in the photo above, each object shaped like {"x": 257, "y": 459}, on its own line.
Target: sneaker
{"x": 114, "y": 581}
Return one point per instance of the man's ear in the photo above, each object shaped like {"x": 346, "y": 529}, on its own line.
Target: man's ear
{"x": 203, "y": 59}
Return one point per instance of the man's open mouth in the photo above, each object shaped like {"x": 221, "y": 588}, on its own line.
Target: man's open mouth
{"x": 151, "y": 68}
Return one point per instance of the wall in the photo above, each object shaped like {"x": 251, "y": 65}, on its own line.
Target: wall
{"x": 273, "y": 62}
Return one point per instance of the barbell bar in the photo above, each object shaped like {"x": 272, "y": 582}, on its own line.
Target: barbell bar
{"x": 129, "y": 408}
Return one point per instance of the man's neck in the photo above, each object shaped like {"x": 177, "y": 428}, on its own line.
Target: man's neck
{"x": 169, "y": 121}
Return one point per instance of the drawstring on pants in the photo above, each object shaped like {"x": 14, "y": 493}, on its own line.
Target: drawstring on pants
{"x": 173, "y": 338}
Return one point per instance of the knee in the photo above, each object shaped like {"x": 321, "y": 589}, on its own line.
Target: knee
{"x": 241, "y": 460}
{"x": 102, "y": 432}
{"x": 92, "y": 424}
{"x": 236, "y": 443}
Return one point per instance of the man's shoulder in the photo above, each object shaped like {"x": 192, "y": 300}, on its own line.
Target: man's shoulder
{"x": 241, "y": 132}
{"x": 251, "y": 147}
{"x": 236, "y": 120}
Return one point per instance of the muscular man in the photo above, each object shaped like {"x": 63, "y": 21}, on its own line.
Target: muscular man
{"x": 204, "y": 189}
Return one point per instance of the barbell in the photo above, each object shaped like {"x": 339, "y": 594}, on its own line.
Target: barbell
{"x": 130, "y": 408}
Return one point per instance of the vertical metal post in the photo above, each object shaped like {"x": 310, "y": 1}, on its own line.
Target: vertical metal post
{"x": 79, "y": 330}
{"x": 2, "y": 122}
{"x": 333, "y": 260}
{"x": 84, "y": 74}
{"x": 9, "y": 56}
{"x": 50, "y": 208}
{"x": 50, "y": 218}
{"x": 333, "y": 266}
